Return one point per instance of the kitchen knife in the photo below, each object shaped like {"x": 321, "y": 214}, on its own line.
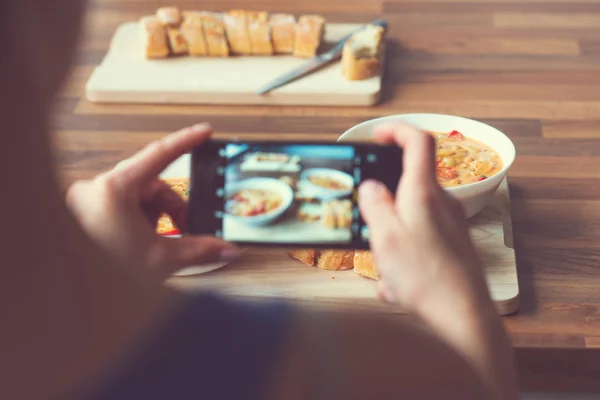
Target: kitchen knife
{"x": 315, "y": 62}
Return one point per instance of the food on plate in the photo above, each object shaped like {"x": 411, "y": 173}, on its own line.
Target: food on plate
{"x": 283, "y": 27}
{"x": 336, "y": 260}
{"x": 309, "y": 212}
{"x": 177, "y": 41}
{"x": 328, "y": 182}
{"x": 333, "y": 260}
{"x": 236, "y": 26}
{"x": 337, "y": 214}
{"x": 364, "y": 264}
{"x": 205, "y": 33}
{"x": 309, "y": 34}
{"x": 361, "y": 57}
{"x": 165, "y": 225}
{"x": 252, "y": 202}
{"x": 259, "y": 32}
{"x": 461, "y": 160}
{"x": 169, "y": 16}
{"x": 272, "y": 157}
{"x": 214, "y": 33}
{"x": 306, "y": 256}
{"x": 154, "y": 37}
{"x": 193, "y": 33}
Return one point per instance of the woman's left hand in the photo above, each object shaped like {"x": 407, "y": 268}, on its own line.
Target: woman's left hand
{"x": 120, "y": 208}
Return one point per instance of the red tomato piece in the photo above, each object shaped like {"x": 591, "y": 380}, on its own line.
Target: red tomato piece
{"x": 455, "y": 135}
{"x": 480, "y": 178}
{"x": 171, "y": 232}
{"x": 446, "y": 172}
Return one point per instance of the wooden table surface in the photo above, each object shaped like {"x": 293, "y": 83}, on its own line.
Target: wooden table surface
{"x": 530, "y": 68}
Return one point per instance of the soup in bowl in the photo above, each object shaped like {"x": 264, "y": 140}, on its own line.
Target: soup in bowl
{"x": 472, "y": 157}
{"x": 257, "y": 201}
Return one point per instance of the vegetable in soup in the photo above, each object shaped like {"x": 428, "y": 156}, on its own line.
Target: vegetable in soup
{"x": 462, "y": 160}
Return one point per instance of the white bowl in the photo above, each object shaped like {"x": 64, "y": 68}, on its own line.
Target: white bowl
{"x": 473, "y": 196}
{"x": 271, "y": 184}
{"x": 324, "y": 193}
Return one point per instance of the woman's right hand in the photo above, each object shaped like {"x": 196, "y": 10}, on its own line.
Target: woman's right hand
{"x": 427, "y": 262}
{"x": 420, "y": 239}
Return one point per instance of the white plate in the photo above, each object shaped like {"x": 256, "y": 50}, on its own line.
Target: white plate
{"x": 180, "y": 168}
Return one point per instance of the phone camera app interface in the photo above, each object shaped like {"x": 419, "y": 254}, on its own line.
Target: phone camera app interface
{"x": 290, "y": 193}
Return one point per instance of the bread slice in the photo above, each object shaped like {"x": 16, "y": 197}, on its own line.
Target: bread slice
{"x": 306, "y": 256}
{"x": 169, "y": 16}
{"x": 236, "y": 26}
{"x": 328, "y": 215}
{"x": 283, "y": 32}
{"x": 361, "y": 57}
{"x": 177, "y": 42}
{"x": 309, "y": 34}
{"x": 364, "y": 264}
{"x": 192, "y": 31}
{"x": 343, "y": 214}
{"x": 214, "y": 33}
{"x": 336, "y": 260}
{"x": 154, "y": 37}
{"x": 259, "y": 32}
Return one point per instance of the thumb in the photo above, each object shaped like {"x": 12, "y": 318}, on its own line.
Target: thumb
{"x": 173, "y": 254}
{"x": 378, "y": 210}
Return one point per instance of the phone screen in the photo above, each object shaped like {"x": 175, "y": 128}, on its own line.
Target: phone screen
{"x": 286, "y": 194}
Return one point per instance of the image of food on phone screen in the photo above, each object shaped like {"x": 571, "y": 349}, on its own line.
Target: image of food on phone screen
{"x": 290, "y": 193}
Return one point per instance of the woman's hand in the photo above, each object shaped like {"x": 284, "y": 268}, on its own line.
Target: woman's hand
{"x": 420, "y": 239}
{"x": 428, "y": 264}
{"x": 119, "y": 209}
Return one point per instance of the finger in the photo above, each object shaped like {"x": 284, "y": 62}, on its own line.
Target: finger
{"x": 171, "y": 255}
{"x": 387, "y": 233}
{"x": 419, "y": 150}
{"x": 154, "y": 158}
{"x": 159, "y": 198}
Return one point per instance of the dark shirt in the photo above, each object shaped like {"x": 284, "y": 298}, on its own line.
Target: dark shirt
{"x": 215, "y": 348}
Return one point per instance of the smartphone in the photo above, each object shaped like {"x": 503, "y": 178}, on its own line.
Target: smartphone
{"x": 288, "y": 194}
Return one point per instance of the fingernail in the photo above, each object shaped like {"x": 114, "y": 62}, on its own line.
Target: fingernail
{"x": 201, "y": 126}
{"x": 370, "y": 189}
{"x": 230, "y": 255}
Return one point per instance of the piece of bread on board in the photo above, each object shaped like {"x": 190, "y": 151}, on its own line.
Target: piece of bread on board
{"x": 177, "y": 42}
{"x": 364, "y": 264}
{"x": 259, "y": 32}
{"x": 309, "y": 34}
{"x": 343, "y": 213}
{"x": 169, "y": 16}
{"x": 361, "y": 57}
{"x": 306, "y": 256}
{"x": 154, "y": 37}
{"x": 214, "y": 33}
{"x": 283, "y": 32}
{"x": 328, "y": 215}
{"x": 236, "y": 27}
{"x": 193, "y": 33}
{"x": 336, "y": 260}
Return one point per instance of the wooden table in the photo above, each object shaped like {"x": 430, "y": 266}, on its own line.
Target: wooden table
{"x": 530, "y": 68}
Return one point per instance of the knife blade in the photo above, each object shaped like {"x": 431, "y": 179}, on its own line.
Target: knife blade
{"x": 314, "y": 63}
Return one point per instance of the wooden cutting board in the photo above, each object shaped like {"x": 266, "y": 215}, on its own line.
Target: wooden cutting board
{"x": 271, "y": 273}
{"x": 125, "y": 76}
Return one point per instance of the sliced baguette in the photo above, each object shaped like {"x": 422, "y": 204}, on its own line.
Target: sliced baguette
{"x": 309, "y": 34}
{"x": 361, "y": 57}
{"x": 283, "y": 31}
{"x": 154, "y": 37}
{"x": 259, "y": 32}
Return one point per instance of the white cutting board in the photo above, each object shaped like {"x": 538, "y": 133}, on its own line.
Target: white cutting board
{"x": 126, "y": 76}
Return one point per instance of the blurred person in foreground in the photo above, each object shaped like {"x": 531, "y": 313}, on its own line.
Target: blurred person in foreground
{"x": 85, "y": 313}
